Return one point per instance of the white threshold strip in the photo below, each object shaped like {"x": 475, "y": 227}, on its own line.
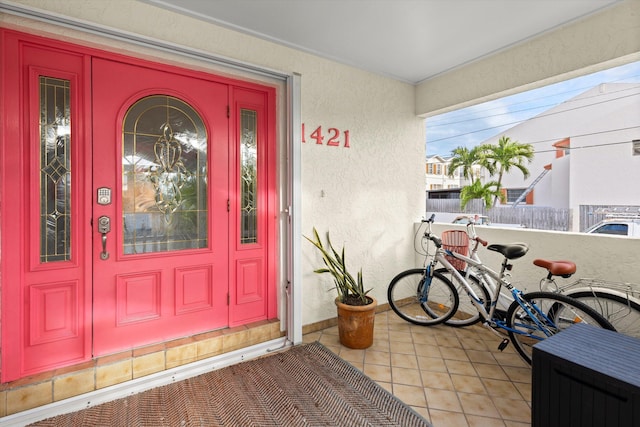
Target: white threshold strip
{"x": 141, "y": 384}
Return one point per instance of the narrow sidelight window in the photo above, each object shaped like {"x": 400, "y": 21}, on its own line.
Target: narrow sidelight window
{"x": 248, "y": 176}
{"x": 55, "y": 170}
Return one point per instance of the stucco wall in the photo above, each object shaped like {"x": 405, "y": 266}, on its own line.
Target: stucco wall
{"x": 368, "y": 195}
{"x": 604, "y": 40}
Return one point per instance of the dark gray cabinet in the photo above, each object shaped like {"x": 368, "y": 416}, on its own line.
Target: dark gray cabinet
{"x": 586, "y": 376}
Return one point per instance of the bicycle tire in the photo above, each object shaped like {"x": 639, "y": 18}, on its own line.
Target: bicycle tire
{"x": 405, "y": 292}
{"x": 623, "y": 313}
{"x": 467, "y": 313}
{"x": 561, "y": 310}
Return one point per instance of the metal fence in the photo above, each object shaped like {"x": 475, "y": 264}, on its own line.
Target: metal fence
{"x": 541, "y": 218}
{"x": 593, "y": 214}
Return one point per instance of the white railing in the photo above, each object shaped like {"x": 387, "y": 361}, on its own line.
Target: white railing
{"x": 610, "y": 258}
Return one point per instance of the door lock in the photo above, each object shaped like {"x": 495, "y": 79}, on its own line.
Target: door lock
{"x": 104, "y": 196}
{"x": 104, "y": 227}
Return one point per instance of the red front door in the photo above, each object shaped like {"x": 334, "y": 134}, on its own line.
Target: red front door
{"x": 160, "y": 179}
{"x": 138, "y": 203}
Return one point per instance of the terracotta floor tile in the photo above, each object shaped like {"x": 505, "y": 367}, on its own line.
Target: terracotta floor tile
{"x": 429, "y": 350}
{"x": 439, "y": 380}
{"x": 448, "y": 341}
{"x": 420, "y": 337}
{"x": 378, "y": 373}
{"x": 525, "y": 390}
{"x": 514, "y": 410}
{"x": 432, "y": 364}
{"x": 454, "y": 353}
{"x": 490, "y": 371}
{"x": 507, "y": 358}
{"x": 478, "y": 421}
{"x": 353, "y": 356}
{"x": 476, "y": 404}
{"x": 454, "y": 377}
{"x": 460, "y": 367}
{"x": 474, "y": 344}
{"x": 445, "y": 400}
{"x": 467, "y": 384}
{"x": 481, "y": 356}
{"x": 521, "y": 375}
{"x": 445, "y": 419}
{"x": 501, "y": 388}
{"x": 406, "y": 376}
{"x": 508, "y": 423}
{"x": 403, "y": 347}
{"x": 404, "y": 360}
{"x": 411, "y": 395}
{"x": 377, "y": 357}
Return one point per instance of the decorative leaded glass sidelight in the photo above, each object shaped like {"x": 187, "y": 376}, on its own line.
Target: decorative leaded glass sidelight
{"x": 248, "y": 176}
{"x": 164, "y": 176}
{"x": 55, "y": 170}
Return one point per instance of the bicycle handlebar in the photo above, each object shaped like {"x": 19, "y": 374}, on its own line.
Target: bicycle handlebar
{"x": 431, "y": 218}
{"x": 481, "y": 241}
{"x": 435, "y": 239}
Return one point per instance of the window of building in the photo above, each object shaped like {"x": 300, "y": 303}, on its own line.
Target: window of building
{"x": 513, "y": 194}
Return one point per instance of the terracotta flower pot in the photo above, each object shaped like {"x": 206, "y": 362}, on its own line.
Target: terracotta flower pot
{"x": 355, "y": 324}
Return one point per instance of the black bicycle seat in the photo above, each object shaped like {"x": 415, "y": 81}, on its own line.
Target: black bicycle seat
{"x": 510, "y": 251}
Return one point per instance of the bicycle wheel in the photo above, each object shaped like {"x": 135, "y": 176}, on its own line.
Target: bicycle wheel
{"x": 407, "y": 297}
{"x": 467, "y": 313}
{"x": 622, "y": 312}
{"x": 553, "y": 313}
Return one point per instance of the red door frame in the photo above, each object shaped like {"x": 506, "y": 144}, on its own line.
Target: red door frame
{"x": 18, "y": 273}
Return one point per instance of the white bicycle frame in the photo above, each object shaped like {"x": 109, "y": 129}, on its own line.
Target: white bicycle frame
{"x": 504, "y": 299}
{"x": 493, "y": 280}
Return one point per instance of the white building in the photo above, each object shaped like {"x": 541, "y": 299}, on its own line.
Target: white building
{"x": 438, "y": 168}
{"x": 584, "y": 154}
{"x": 438, "y": 178}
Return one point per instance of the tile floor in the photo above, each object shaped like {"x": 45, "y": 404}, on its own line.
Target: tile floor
{"x": 454, "y": 377}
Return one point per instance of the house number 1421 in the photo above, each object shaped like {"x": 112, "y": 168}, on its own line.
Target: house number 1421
{"x": 333, "y": 137}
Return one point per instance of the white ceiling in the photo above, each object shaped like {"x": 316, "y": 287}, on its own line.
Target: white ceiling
{"x": 410, "y": 40}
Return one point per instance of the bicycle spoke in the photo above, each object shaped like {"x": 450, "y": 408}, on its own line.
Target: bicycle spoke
{"x": 538, "y": 315}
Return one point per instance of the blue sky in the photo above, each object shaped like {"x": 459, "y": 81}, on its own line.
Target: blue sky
{"x": 472, "y": 125}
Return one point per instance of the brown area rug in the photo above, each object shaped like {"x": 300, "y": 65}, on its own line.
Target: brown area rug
{"x": 307, "y": 385}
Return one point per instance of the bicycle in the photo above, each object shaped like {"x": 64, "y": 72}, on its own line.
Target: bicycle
{"x": 619, "y": 303}
{"x": 530, "y": 318}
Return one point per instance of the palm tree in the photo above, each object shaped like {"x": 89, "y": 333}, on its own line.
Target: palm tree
{"x": 478, "y": 190}
{"x": 506, "y": 155}
{"x": 466, "y": 159}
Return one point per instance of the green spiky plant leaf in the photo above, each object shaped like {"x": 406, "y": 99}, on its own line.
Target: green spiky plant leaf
{"x": 350, "y": 290}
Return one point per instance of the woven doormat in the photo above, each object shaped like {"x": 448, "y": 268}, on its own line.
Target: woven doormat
{"x": 307, "y": 385}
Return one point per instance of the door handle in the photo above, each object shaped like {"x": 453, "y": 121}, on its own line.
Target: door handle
{"x": 104, "y": 227}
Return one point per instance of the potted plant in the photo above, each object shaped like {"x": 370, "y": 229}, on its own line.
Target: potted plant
{"x": 356, "y": 309}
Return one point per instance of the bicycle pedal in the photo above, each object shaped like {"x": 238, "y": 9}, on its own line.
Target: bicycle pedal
{"x": 503, "y": 344}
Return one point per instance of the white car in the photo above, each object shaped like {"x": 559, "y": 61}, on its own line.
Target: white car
{"x": 465, "y": 219}
{"x": 629, "y": 227}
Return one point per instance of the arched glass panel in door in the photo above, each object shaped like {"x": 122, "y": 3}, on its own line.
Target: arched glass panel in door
{"x": 164, "y": 176}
